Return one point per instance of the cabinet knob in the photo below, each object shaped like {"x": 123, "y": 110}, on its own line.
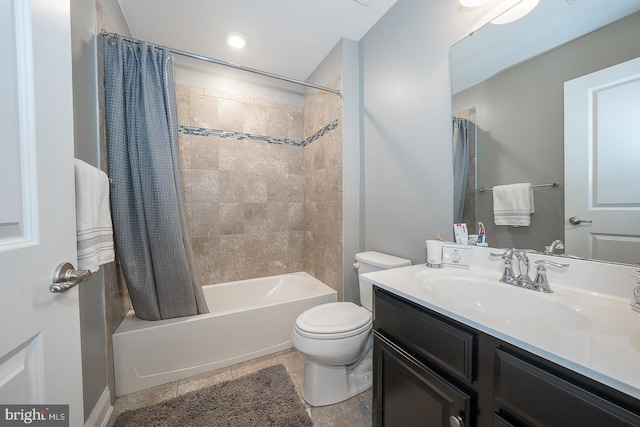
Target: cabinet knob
{"x": 456, "y": 421}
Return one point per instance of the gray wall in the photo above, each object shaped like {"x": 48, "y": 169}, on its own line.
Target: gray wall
{"x": 519, "y": 114}
{"x": 406, "y": 110}
{"x": 351, "y": 160}
{"x": 85, "y": 117}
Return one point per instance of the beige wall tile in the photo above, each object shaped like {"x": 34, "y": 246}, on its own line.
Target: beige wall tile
{"x": 230, "y": 115}
{"x": 231, "y": 154}
{"x": 254, "y": 119}
{"x": 256, "y": 184}
{"x": 278, "y": 245}
{"x": 206, "y": 259}
{"x": 277, "y": 216}
{"x": 279, "y": 157}
{"x": 295, "y": 121}
{"x": 296, "y": 216}
{"x": 204, "y": 111}
{"x": 204, "y": 219}
{"x": 257, "y": 249}
{"x": 276, "y": 122}
{"x": 231, "y": 218}
{"x": 184, "y": 144}
{"x": 256, "y": 157}
{"x": 255, "y": 218}
{"x": 232, "y": 186}
{"x": 204, "y": 152}
{"x": 204, "y": 185}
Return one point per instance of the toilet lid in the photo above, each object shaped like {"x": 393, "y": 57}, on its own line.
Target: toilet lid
{"x": 334, "y": 318}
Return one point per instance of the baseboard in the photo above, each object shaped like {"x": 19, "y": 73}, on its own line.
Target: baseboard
{"x": 101, "y": 412}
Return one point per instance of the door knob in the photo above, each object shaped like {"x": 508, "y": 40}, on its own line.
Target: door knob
{"x": 456, "y": 421}
{"x": 66, "y": 277}
{"x": 574, "y": 220}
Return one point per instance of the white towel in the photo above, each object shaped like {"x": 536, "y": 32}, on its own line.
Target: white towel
{"x": 513, "y": 204}
{"x": 93, "y": 217}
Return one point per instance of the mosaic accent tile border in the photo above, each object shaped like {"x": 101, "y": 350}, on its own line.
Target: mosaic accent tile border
{"x": 191, "y": 130}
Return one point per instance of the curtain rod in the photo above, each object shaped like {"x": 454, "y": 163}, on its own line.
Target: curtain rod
{"x": 226, "y": 64}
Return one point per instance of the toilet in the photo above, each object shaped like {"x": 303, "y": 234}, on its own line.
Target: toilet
{"x": 336, "y": 340}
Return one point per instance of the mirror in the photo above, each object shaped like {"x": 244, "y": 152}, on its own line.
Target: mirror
{"x": 507, "y": 86}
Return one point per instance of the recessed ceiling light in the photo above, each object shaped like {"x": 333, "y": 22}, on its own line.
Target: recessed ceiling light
{"x": 236, "y": 40}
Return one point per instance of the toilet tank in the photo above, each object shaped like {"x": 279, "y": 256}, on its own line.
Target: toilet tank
{"x": 368, "y": 262}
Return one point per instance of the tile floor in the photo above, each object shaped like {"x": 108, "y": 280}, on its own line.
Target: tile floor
{"x": 354, "y": 412}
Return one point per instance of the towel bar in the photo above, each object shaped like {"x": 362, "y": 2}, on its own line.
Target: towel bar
{"x": 553, "y": 184}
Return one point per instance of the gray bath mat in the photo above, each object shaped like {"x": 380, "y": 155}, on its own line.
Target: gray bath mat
{"x": 264, "y": 398}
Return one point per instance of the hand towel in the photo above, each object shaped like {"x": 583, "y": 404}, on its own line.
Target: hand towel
{"x": 513, "y": 204}
{"x": 93, "y": 217}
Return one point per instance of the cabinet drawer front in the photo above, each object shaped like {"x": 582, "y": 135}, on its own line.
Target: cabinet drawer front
{"x": 539, "y": 397}
{"x": 408, "y": 393}
{"x": 498, "y": 421}
{"x": 449, "y": 346}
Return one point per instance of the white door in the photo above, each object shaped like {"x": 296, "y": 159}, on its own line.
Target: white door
{"x": 39, "y": 330}
{"x": 602, "y": 164}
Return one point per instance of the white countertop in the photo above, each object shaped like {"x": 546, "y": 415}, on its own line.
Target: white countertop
{"x": 594, "y": 334}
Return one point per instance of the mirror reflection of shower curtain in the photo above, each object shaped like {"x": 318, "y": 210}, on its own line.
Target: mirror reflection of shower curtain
{"x": 148, "y": 218}
{"x": 461, "y": 151}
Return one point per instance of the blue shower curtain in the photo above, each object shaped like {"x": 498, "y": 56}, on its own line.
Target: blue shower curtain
{"x": 460, "y": 166}
{"x": 149, "y": 222}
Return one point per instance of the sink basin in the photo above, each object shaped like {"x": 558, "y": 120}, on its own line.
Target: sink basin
{"x": 465, "y": 290}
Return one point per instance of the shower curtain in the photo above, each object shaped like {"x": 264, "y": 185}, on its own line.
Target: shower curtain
{"x": 148, "y": 218}
{"x": 460, "y": 166}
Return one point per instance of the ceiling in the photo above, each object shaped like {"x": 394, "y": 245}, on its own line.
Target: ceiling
{"x": 285, "y": 37}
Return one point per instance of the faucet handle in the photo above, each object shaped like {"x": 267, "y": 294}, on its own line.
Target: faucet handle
{"x": 541, "y": 283}
{"x": 506, "y": 255}
{"x": 508, "y": 276}
{"x": 543, "y": 262}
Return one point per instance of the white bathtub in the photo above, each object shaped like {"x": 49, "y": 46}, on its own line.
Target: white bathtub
{"x": 247, "y": 319}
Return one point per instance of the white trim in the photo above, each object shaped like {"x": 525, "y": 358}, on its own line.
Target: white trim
{"x": 101, "y": 412}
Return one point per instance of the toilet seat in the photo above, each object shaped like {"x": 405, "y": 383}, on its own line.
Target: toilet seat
{"x": 333, "y": 321}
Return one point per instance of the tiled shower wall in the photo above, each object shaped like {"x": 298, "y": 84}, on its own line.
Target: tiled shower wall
{"x": 323, "y": 222}
{"x": 259, "y": 209}
{"x": 244, "y": 199}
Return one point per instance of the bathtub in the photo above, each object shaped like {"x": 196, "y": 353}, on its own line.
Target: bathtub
{"x": 247, "y": 319}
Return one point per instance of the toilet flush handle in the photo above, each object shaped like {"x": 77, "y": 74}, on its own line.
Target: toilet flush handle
{"x": 356, "y": 265}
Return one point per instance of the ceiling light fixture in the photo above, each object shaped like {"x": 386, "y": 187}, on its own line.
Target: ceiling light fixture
{"x": 236, "y": 40}
{"x": 473, "y": 3}
{"x": 515, "y": 11}
{"x": 503, "y": 12}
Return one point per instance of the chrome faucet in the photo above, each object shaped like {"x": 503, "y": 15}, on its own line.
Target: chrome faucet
{"x": 523, "y": 280}
{"x": 508, "y": 276}
{"x": 555, "y": 248}
{"x": 540, "y": 283}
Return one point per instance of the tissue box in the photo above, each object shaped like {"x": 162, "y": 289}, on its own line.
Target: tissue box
{"x": 457, "y": 255}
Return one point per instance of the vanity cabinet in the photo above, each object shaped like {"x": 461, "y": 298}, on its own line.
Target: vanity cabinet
{"x": 430, "y": 370}
{"x": 529, "y": 394}
{"x": 413, "y": 394}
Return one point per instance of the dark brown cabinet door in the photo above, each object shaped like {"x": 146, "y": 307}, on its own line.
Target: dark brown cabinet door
{"x": 407, "y": 393}
{"x": 539, "y": 398}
